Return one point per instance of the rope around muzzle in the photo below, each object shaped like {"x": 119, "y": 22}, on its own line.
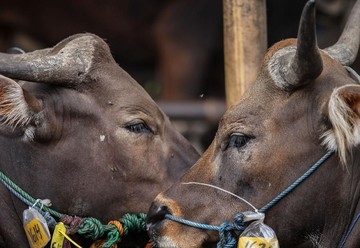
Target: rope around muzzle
{"x": 88, "y": 227}
{"x": 230, "y": 231}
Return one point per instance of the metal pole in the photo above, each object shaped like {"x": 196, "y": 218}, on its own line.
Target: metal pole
{"x": 245, "y": 43}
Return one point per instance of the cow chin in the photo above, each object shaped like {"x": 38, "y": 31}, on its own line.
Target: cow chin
{"x": 164, "y": 241}
{"x": 171, "y": 234}
{"x": 179, "y": 240}
{"x": 169, "y": 242}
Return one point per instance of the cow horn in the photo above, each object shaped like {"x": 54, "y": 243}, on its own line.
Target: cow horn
{"x": 346, "y": 48}
{"x": 68, "y": 63}
{"x": 296, "y": 65}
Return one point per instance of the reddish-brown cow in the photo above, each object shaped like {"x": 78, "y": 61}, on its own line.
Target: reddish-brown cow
{"x": 303, "y": 104}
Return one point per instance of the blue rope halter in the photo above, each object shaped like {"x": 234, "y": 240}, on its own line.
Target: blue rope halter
{"x": 228, "y": 231}
{"x": 297, "y": 182}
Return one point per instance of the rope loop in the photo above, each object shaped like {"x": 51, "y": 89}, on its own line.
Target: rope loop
{"x": 114, "y": 235}
{"x": 115, "y": 229}
{"x": 229, "y": 231}
{"x": 91, "y": 228}
{"x": 239, "y": 224}
{"x": 118, "y": 226}
{"x": 51, "y": 222}
{"x": 227, "y": 237}
{"x": 133, "y": 222}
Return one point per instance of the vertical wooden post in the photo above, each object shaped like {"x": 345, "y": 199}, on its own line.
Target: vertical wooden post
{"x": 245, "y": 43}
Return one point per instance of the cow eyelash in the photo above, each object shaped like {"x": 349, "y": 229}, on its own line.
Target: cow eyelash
{"x": 237, "y": 140}
{"x": 140, "y": 127}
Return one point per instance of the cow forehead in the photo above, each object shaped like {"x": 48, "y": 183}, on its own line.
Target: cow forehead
{"x": 137, "y": 105}
{"x": 265, "y": 112}
{"x": 119, "y": 90}
{"x": 254, "y": 106}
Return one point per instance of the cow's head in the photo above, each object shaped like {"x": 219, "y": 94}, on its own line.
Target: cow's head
{"x": 79, "y": 130}
{"x": 303, "y": 103}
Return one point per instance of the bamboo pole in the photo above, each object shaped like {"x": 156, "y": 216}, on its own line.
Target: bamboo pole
{"x": 245, "y": 43}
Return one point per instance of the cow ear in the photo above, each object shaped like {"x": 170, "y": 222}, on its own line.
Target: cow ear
{"x": 344, "y": 115}
{"x": 18, "y": 108}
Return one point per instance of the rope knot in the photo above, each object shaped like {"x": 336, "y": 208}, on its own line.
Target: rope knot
{"x": 229, "y": 231}
{"x": 91, "y": 228}
{"x": 227, "y": 235}
{"x": 114, "y": 235}
{"x": 133, "y": 222}
{"x": 115, "y": 230}
{"x": 49, "y": 220}
{"x": 239, "y": 224}
{"x": 72, "y": 222}
{"x": 118, "y": 225}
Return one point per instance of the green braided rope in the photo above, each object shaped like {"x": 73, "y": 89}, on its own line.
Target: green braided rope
{"x": 90, "y": 227}
{"x": 27, "y": 196}
{"x": 113, "y": 237}
{"x": 133, "y": 223}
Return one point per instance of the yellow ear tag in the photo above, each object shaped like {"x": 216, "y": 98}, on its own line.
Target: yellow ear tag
{"x": 36, "y": 228}
{"x": 58, "y": 237}
{"x": 257, "y": 242}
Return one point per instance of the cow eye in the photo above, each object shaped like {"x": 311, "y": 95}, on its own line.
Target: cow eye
{"x": 237, "y": 140}
{"x": 140, "y": 127}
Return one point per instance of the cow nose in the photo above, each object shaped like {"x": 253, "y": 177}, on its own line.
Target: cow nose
{"x": 155, "y": 216}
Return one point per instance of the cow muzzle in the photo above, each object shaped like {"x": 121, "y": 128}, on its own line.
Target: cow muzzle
{"x": 155, "y": 218}
{"x": 166, "y": 233}
{"x": 156, "y": 223}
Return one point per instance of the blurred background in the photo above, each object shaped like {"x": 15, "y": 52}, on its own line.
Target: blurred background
{"x": 173, "y": 48}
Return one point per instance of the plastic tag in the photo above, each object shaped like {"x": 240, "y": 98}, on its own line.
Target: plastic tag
{"x": 258, "y": 235}
{"x": 256, "y": 242}
{"x": 58, "y": 237}
{"x": 250, "y": 216}
{"x": 36, "y": 228}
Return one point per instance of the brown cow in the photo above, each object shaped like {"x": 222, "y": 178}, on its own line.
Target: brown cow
{"x": 303, "y": 104}
{"x": 81, "y": 132}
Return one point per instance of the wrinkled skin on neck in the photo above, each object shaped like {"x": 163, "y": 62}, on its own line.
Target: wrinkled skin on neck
{"x": 284, "y": 131}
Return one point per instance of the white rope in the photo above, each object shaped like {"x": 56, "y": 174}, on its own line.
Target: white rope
{"x": 225, "y": 191}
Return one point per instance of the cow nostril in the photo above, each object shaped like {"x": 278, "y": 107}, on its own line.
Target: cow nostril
{"x": 156, "y": 214}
